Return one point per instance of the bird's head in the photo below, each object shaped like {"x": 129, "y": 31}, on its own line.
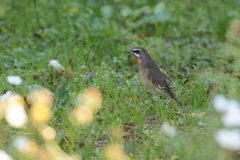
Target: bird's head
{"x": 139, "y": 53}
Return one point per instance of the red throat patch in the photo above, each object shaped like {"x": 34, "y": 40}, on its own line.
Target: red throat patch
{"x": 138, "y": 59}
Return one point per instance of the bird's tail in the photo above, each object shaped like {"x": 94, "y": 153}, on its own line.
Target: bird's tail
{"x": 177, "y": 101}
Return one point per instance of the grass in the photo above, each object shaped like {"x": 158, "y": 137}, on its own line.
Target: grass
{"x": 185, "y": 38}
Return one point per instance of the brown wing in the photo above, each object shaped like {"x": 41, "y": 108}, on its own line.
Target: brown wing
{"x": 158, "y": 79}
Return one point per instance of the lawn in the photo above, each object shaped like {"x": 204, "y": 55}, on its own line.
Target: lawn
{"x": 195, "y": 43}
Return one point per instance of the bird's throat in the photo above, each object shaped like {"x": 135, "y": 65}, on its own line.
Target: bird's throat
{"x": 138, "y": 59}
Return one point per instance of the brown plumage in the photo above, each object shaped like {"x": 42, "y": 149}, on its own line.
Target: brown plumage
{"x": 150, "y": 74}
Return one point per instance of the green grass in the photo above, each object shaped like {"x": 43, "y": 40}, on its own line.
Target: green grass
{"x": 186, "y": 39}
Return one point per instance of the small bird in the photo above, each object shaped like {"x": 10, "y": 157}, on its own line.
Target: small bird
{"x": 149, "y": 73}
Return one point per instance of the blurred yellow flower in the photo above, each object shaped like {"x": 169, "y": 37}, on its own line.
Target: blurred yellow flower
{"x": 25, "y": 146}
{"x": 32, "y": 147}
{"x": 91, "y": 97}
{"x": 117, "y": 133}
{"x": 41, "y": 96}
{"x": 40, "y": 113}
{"x": 115, "y": 152}
{"x": 55, "y": 152}
{"x": 74, "y": 10}
{"x": 43, "y": 153}
{"x": 81, "y": 115}
{"x": 133, "y": 98}
{"x": 16, "y": 98}
{"x": 48, "y": 133}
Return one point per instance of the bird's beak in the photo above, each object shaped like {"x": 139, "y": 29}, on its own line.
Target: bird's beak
{"x": 128, "y": 52}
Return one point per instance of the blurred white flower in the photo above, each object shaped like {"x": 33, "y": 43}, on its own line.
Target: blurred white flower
{"x": 228, "y": 139}
{"x": 168, "y": 129}
{"x": 220, "y": 103}
{"x": 55, "y": 64}
{"x": 231, "y": 117}
{"x": 15, "y": 80}
{"x": 21, "y": 143}
{"x": 16, "y": 115}
{"x": 6, "y": 95}
{"x": 230, "y": 110}
{"x": 4, "y": 155}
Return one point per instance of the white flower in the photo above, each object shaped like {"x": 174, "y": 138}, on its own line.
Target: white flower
{"x": 55, "y": 64}
{"x": 168, "y": 129}
{"x": 15, "y": 80}
{"x": 220, "y": 103}
{"x": 16, "y": 115}
{"x": 6, "y": 95}
{"x": 228, "y": 139}
{"x": 231, "y": 117}
{"x": 21, "y": 143}
{"x": 4, "y": 155}
{"x": 230, "y": 110}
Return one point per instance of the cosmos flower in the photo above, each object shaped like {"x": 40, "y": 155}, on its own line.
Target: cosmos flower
{"x": 228, "y": 139}
{"x": 168, "y": 129}
{"x": 220, "y": 103}
{"x": 4, "y": 155}
{"x": 55, "y": 64}
{"x": 21, "y": 143}
{"x": 24, "y": 145}
{"x": 231, "y": 117}
{"x": 16, "y": 115}
{"x": 14, "y": 80}
{"x": 230, "y": 110}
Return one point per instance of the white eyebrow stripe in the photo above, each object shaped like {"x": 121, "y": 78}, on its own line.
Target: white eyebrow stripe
{"x": 136, "y": 49}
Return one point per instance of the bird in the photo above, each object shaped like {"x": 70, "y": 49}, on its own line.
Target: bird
{"x": 150, "y": 75}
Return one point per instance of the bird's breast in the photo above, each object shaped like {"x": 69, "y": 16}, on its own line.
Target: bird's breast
{"x": 144, "y": 77}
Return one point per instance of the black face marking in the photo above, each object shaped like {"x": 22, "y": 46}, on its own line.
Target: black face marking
{"x": 136, "y": 52}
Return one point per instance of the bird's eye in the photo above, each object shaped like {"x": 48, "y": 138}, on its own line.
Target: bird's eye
{"x": 136, "y": 51}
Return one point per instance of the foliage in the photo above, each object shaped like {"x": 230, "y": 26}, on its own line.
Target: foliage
{"x": 196, "y": 43}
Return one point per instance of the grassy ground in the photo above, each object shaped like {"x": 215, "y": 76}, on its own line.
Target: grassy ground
{"x": 187, "y": 39}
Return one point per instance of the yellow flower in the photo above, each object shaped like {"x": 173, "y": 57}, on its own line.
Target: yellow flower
{"x": 41, "y": 96}
{"x": 74, "y": 10}
{"x": 48, "y": 133}
{"x": 16, "y": 98}
{"x": 91, "y": 97}
{"x": 81, "y": 116}
{"x": 25, "y": 146}
{"x": 32, "y": 147}
{"x": 40, "y": 113}
{"x": 115, "y": 152}
{"x": 117, "y": 133}
{"x": 133, "y": 98}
